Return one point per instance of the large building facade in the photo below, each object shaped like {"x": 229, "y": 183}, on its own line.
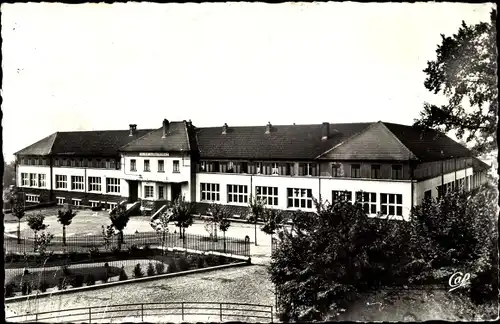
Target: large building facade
{"x": 388, "y": 168}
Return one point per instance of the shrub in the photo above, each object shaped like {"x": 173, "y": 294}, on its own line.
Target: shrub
{"x": 65, "y": 271}
{"x": 62, "y": 283}
{"x": 138, "y": 273}
{"x": 200, "y": 262}
{"x": 94, "y": 252}
{"x": 123, "y": 274}
{"x": 42, "y": 286}
{"x": 73, "y": 256}
{"x": 10, "y": 287}
{"x": 26, "y": 288}
{"x": 211, "y": 260}
{"x": 222, "y": 260}
{"x": 147, "y": 248}
{"x": 107, "y": 274}
{"x": 151, "y": 270}
{"x": 171, "y": 266}
{"x": 90, "y": 280}
{"x": 115, "y": 250}
{"x": 182, "y": 263}
{"x": 133, "y": 249}
{"x": 77, "y": 280}
{"x": 160, "y": 267}
{"x": 9, "y": 257}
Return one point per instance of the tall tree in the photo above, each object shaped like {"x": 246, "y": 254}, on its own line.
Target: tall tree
{"x": 65, "y": 217}
{"x": 465, "y": 71}
{"x": 9, "y": 173}
{"x": 119, "y": 220}
{"x": 220, "y": 219}
{"x": 182, "y": 211}
{"x": 35, "y": 222}
{"x": 17, "y": 205}
{"x": 257, "y": 209}
{"x": 274, "y": 220}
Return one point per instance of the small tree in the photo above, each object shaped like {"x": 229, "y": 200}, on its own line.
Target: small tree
{"x": 219, "y": 218}
{"x": 17, "y": 207}
{"x": 119, "y": 219}
{"x": 160, "y": 224}
{"x": 35, "y": 222}
{"x": 257, "y": 208}
{"x": 274, "y": 221}
{"x": 182, "y": 214}
{"x": 65, "y": 217}
{"x": 107, "y": 235}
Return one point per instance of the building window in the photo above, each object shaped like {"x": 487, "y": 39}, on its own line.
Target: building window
{"x": 33, "y": 180}
{"x": 428, "y": 194}
{"x": 25, "y": 179}
{"x": 203, "y": 166}
{"x": 368, "y": 200}
{"x": 56, "y": 162}
{"x": 148, "y": 191}
{"x": 133, "y": 165}
{"x": 161, "y": 192}
{"x": 355, "y": 171}
{"x": 341, "y": 196}
{"x": 397, "y": 172}
{"x": 375, "y": 172}
{"x": 112, "y": 185}
{"x": 102, "y": 164}
{"x": 73, "y": 163}
{"x": 76, "y": 202}
{"x": 237, "y": 194}
{"x": 33, "y": 198}
{"x": 176, "y": 166}
{"x": 61, "y": 181}
{"x": 29, "y": 161}
{"x": 111, "y": 205}
{"x": 65, "y": 162}
{"x": 37, "y": 161}
{"x": 299, "y": 198}
{"x": 146, "y": 166}
{"x": 308, "y": 169}
{"x": 161, "y": 166}
{"x": 60, "y": 201}
{"x": 391, "y": 204}
{"x": 42, "y": 181}
{"x": 335, "y": 170}
{"x": 94, "y": 203}
{"x": 22, "y": 161}
{"x": 268, "y": 194}
{"x": 210, "y": 191}
{"x": 77, "y": 182}
{"x": 94, "y": 183}
{"x": 112, "y": 164}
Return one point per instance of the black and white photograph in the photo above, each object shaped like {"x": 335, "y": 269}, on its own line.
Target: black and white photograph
{"x": 250, "y": 162}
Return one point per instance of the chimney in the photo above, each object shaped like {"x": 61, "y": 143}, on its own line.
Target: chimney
{"x": 224, "y": 129}
{"x": 165, "y": 128}
{"x": 133, "y": 128}
{"x": 325, "y": 131}
{"x": 268, "y": 127}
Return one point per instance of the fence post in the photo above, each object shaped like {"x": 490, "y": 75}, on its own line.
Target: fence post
{"x": 272, "y": 314}
{"x": 36, "y": 317}
{"x": 90, "y": 314}
{"x": 220, "y": 312}
{"x": 142, "y": 312}
{"x": 182, "y": 308}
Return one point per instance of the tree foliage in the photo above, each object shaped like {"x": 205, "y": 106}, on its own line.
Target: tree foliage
{"x": 119, "y": 220}
{"x": 16, "y": 201}
{"x": 65, "y": 217}
{"x": 465, "y": 71}
{"x": 35, "y": 222}
{"x": 182, "y": 211}
{"x": 160, "y": 224}
{"x": 257, "y": 208}
{"x": 219, "y": 218}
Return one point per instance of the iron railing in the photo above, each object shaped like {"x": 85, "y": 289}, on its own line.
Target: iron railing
{"x": 155, "y": 312}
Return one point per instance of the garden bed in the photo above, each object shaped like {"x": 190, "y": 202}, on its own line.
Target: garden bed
{"x": 29, "y": 274}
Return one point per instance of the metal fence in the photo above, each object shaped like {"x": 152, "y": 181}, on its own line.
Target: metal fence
{"x": 170, "y": 240}
{"x": 155, "y": 312}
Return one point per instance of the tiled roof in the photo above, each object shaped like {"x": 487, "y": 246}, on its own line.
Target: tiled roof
{"x": 478, "y": 165}
{"x": 83, "y": 143}
{"x": 283, "y": 142}
{"x": 427, "y": 145}
{"x": 175, "y": 141}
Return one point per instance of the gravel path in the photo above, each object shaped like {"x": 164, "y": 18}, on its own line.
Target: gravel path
{"x": 249, "y": 284}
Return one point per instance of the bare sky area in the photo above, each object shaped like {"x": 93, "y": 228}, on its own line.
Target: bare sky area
{"x": 104, "y": 66}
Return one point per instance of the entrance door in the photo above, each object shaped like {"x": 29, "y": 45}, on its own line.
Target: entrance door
{"x": 133, "y": 190}
{"x": 175, "y": 189}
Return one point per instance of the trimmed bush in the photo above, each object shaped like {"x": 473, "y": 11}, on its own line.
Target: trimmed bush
{"x": 160, "y": 267}
{"x": 10, "y": 287}
{"x": 94, "y": 252}
{"x": 42, "y": 286}
{"x": 138, "y": 273}
{"x": 211, "y": 260}
{"x": 171, "y": 266}
{"x": 62, "y": 283}
{"x": 182, "y": 263}
{"x": 222, "y": 260}
{"x": 123, "y": 274}
{"x": 151, "y": 270}
{"x": 200, "y": 262}
{"x": 147, "y": 248}
{"x": 133, "y": 249}
{"x": 90, "y": 280}
{"x": 77, "y": 280}
{"x": 26, "y": 288}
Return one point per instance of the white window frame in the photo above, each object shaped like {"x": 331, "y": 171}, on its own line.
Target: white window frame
{"x": 77, "y": 183}
{"x": 42, "y": 180}
{"x": 275, "y": 169}
{"x": 161, "y": 192}
{"x": 25, "y": 178}
{"x": 94, "y": 186}
{"x": 268, "y": 194}
{"x": 161, "y": 165}
{"x": 368, "y": 200}
{"x": 391, "y": 202}
{"x": 148, "y": 194}
{"x": 237, "y": 194}
{"x": 61, "y": 181}
{"x": 209, "y": 191}
{"x": 32, "y": 198}
{"x": 112, "y": 185}
{"x": 308, "y": 167}
{"x": 33, "y": 180}
{"x": 76, "y": 202}
{"x": 341, "y": 195}
{"x": 94, "y": 203}
{"x": 111, "y": 205}
{"x": 299, "y": 198}
{"x": 147, "y": 166}
{"x": 176, "y": 166}
{"x": 60, "y": 201}
{"x": 133, "y": 165}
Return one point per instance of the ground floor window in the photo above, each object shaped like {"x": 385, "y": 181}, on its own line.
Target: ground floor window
{"x": 299, "y": 198}
{"x": 113, "y": 185}
{"x": 33, "y": 198}
{"x": 237, "y": 194}
{"x": 268, "y": 194}
{"x": 341, "y": 196}
{"x": 368, "y": 200}
{"x": 76, "y": 202}
{"x": 428, "y": 194}
{"x": 161, "y": 192}
{"x": 94, "y": 203}
{"x": 210, "y": 191}
{"x": 112, "y": 205}
{"x": 25, "y": 179}
{"x": 148, "y": 191}
{"x": 60, "y": 201}
{"x": 391, "y": 204}
{"x": 41, "y": 180}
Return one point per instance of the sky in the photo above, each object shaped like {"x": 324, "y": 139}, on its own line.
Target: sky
{"x": 105, "y": 66}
